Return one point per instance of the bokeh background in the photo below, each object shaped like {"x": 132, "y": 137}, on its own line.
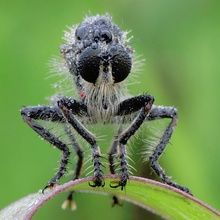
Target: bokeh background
{"x": 180, "y": 42}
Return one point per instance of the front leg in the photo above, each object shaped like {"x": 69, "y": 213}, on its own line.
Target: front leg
{"x": 70, "y": 108}
{"x": 49, "y": 113}
{"x": 144, "y": 104}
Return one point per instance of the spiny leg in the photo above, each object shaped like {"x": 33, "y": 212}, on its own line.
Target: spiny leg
{"x": 144, "y": 103}
{"x": 79, "y": 152}
{"x": 159, "y": 112}
{"x": 111, "y": 158}
{"x": 50, "y": 114}
{"x": 69, "y": 107}
{"x": 113, "y": 152}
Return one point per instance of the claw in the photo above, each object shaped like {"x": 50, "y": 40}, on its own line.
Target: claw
{"x": 50, "y": 185}
{"x": 118, "y": 185}
{"x": 69, "y": 202}
{"x": 121, "y": 183}
{"x": 116, "y": 201}
{"x": 97, "y": 182}
{"x": 183, "y": 188}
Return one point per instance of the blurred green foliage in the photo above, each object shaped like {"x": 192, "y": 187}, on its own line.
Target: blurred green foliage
{"x": 180, "y": 42}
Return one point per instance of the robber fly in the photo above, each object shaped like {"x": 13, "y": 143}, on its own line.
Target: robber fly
{"x": 99, "y": 59}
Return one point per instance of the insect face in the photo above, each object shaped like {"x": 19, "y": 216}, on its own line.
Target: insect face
{"x": 99, "y": 59}
{"x": 110, "y": 65}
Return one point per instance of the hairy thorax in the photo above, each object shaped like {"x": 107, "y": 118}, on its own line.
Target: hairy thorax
{"x": 102, "y": 102}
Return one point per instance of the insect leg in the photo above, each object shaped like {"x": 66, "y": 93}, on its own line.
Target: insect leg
{"x": 113, "y": 152}
{"x": 69, "y": 108}
{"x": 159, "y": 112}
{"x": 111, "y": 157}
{"x": 79, "y": 152}
{"x": 29, "y": 115}
{"x": 144, "y": 103}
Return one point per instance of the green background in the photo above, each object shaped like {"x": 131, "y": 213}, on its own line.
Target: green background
{"x": 180, "y": 42}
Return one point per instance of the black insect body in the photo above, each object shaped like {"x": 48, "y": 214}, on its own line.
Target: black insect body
{"x": 99, "y": 59}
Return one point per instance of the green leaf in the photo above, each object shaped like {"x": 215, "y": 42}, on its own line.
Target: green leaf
{"x": 163, "y": 200}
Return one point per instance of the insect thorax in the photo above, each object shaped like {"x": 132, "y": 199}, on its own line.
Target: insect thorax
{"x": 102, "y": 101}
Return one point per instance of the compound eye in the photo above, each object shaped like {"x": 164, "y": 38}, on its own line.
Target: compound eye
{"x": 121, "y": 65}
{"x": 89, "y": 64}
{"x": 81, "y": 32}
